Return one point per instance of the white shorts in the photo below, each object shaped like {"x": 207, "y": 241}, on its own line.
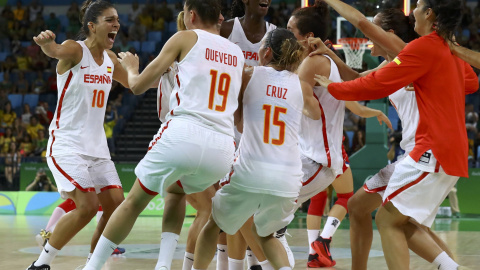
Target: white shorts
{"x": 84, "y": 173}
{"x": 232, "y": 207}
{"x": 185, "y": 151}
{"x": 416, "y": 193}
{"x": 378, "y": 183}
{"x": 316, "y": 178}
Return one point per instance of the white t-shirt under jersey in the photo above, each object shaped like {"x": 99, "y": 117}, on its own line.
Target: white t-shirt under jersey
{"x": 406, "y": 105}
{"x": 77, "y": 125}
{"x": 249, "y": 49}
{"x": 321, "y": 140}
{"x": 269, "y": 157}
{"x": 209, "y": 80}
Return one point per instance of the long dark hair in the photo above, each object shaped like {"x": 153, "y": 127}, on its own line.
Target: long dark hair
{"x": 90, "y": 12}
{"x": 403, "y": 26}
{"x": 313, "y": 19}
{"x": 287, "y": 52}
{"x": 448, "y": 16}
{"x": 207, "y": 10}
{"x": 237, "y": 9}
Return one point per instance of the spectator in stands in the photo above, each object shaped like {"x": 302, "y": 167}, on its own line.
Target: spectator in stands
{"x": 123, "y": 44}
{"x": 26, "y": 114}
{"x": 41, "y": 182}
{"x": 3, "y": 99}
{"x": 108, "y": 126}
{"x": 53, "y": 23}
{"x": 9, "y": 65}
{"x": 32, "y": 50}
{"x": 8, "y": 117}
{"x": 358, "y": 140}
{"x": 165, "y": 12}
{"x": 117, "y": 101}
{"x": 109, "y": 113}
{"x": 137, "y": 31}
{"x": 35, "y": 10}
{"x": 43, "y": 113}
{"x": 26, "y": 147}
{"x": 5, "y": 141}
{"x": 134, "y": 12}
{"x": 19, "y": 13}
{"x": 146, "y": 17}
{"x": 23, "y": 87}
{"x": 350, "y": 122}
{"x": 158, "y": 23}
{"x": 18, "y": 129}
{"x": 34, "y": 127}
{"x": 39, "y": 84}
{"x": 35, "y": 26}
{"x": 7, "y": 13}
{"x": 23, "y": 61}
{"x": 12, "y": 164}
{"x": 41, "y": 143}
{"x": 73, "y": 13}
{"x": 15, "y": 44}
{"x": 4, "y": 34}
{"x": 7, "y": 84}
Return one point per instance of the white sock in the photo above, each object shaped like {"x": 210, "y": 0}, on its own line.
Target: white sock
{"x": 234, "y": 264}
{"x": 100, "y": 255}
{"x": 285, "y": 268}
{"x": 330, "y": 227}
{"x": 57, "y": 214}
{"x": 222, "y": 257}
{"x": 312, "y": 236}
{"x": 99, "y": 215}
{"x": 251, "y": 259}
{"x": 188, "y": 261}
{"x": 47, "y": 255}
{"x": 444, "y": 262}
{"x": 89, "y": 256}
{"x": 167, "y": 248}
{"x": 266, "y": 265}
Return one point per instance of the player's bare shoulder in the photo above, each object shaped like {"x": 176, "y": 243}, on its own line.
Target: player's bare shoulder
{"x": 227, "y": 28}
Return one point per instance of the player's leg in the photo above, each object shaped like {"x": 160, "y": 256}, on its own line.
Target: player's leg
{"x": 236, "y": 246}
{"x": 59, "y": 211}
{"x": 222, "y": 252}
{"x": 314, "y": 223}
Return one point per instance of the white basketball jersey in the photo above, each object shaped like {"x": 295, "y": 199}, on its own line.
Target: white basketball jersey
{"x": 209, "y": 80}
{"x": 164, "y": 92}
{"x": 77, "y": 125}
{"x": 250, "y": 50}
{"x": 406, "y": 105}
{"x": 269, "y": 157}
{"x": 321, "y": 140}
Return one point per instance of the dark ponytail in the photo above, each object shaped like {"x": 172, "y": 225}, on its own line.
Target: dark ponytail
{"x": 448, "y": 16}
{"x": 90, "y": 12}
{"x": 313, "y": 19}
{"x": 287, "y": 52}
{"x": 394, "y": 19}
{"x": 237, "y": 9}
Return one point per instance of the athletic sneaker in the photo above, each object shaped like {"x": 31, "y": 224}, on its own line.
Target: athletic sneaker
{"x": 280, "y": 235}
{"x": 42, "y": 237}
{"x": 42, "y": 267}
{"x": 118, "y": 251}
{"x": 322, "y": 248}
{"x": 313, "y": 261}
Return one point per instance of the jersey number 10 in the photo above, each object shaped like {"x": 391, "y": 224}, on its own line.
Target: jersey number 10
{"x": 276, "y": 122}
{"x": 223, "y": 88}
{"x": 98, "y": 100}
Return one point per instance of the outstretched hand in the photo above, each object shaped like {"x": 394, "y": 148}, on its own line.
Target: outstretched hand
{"x": 129, "y": 61}
{"x": 316, "y": 46}
{"x": 44, "y": 38}
{"x": 322, "y": 80}
{"x": 382, "y": 118}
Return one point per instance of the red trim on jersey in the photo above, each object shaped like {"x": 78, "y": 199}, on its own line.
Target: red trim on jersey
{"x": 324, "y": 132}
{"x": 437, "y": 167}
{"x": 90, "y": 189}
{"x": 148, "y": 191}
{"x": 398, "y": 191}
{"x": 178, "y": 99}
{"x": 100, "y": 208}
{"x": 110, "y": 187}
{"x": 159, "y": 136}
{"x": 178, "y": 80}
{"x": 179, "y": 184}
{"x": 59, "y": 108}
{"x": 313, "y": 176}
{"x": 375, "y": 190}
{"x": 393, "y": 104}
{"x": 160, "y": 100}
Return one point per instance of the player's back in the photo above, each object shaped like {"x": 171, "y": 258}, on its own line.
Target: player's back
{"x": 208, "y": 80}
{"x": 269, "y": 157}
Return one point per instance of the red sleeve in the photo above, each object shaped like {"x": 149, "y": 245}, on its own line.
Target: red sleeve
{"x": 471, "y": 80}
{"x": 411, "y": 63}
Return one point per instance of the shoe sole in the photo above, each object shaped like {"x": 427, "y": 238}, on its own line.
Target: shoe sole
{"x": 321, "y": 257}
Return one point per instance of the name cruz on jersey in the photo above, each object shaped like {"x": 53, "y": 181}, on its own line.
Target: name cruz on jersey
{"x": 275, "y": 91}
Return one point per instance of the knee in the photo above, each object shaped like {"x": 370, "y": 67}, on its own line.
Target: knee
{"x": 87, "y": 209}
{"x": 354, "y": 205}
{"x": 343, "y": 198}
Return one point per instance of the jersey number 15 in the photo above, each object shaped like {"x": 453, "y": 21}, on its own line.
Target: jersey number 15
{"x": 276, "y": 122}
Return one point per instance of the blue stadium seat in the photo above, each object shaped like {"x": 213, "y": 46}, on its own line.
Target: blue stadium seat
{"x": 25, "y": 43}
{"x": 3, "y": 56}
{"x": 32, "y": 100}
{"x": 393, "y": 116}
{"x": 30, "y": 76}
{"x": 123, "y": 19}
{"x": 136, "y": 45}
{"x": 148, "y": 47}
{"x": 154, "y": 36}
{"x": 172, "y": 27}
{"x": 16, "y": 100}
{"x": 350, "y": 137}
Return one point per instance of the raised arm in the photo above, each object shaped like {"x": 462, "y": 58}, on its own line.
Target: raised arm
{"x": 366, "y": 112}
{"x": 391, "y": 43}
{"x": 467, "y": 55}
{"x": 69, "y": 52}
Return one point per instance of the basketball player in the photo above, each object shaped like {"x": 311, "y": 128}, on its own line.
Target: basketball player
{"x": 196, "y": 144}
{"x": 266, "y": 176}
{"x": 421, "y": 180}
{"x": 321, "y": 141}
{"x": 77, "y": 152}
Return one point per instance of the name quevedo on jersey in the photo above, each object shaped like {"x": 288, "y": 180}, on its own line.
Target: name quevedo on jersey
{"x": 220, "y": 57}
